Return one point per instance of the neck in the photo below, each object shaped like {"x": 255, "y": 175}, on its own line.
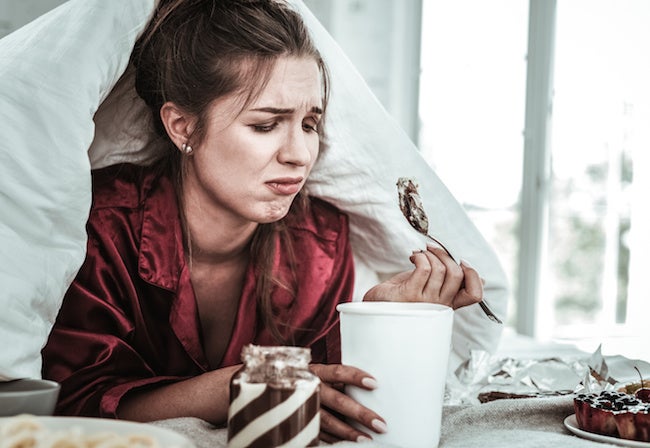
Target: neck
{"x": 217, "y": 239}
{"x": 219, "y": 244}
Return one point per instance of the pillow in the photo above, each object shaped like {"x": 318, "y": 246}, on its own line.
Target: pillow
{"x": 54, "y": 72}
{"x": 53, "y": 87}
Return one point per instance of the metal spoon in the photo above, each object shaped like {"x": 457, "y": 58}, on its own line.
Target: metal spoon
{"x": 412, "y": 209}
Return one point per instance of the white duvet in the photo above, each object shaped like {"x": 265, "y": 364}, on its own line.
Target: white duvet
{"x": 62, "y": 111}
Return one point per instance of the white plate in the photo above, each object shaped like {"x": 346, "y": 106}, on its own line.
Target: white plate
{"x": 572, "y": 425}
{"x": 166, "y": 438}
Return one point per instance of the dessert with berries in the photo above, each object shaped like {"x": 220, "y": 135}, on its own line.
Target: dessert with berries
{"x": 614, "y": 414}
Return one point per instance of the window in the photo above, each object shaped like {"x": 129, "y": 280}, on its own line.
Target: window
{"x": 587, "y": 211}
{"x": 597, "y": 210}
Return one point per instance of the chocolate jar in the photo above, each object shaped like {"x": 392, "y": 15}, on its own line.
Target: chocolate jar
{"x": 274, "y": 399}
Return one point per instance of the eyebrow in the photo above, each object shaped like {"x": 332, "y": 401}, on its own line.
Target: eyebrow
{"x": 279, "y": 111}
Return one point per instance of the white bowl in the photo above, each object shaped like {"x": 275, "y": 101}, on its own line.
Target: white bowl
{"x": 86, "y": 427}
{"x": 28, "y": 396}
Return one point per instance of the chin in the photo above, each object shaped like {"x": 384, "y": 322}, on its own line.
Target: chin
{"x": 273, "y": 214}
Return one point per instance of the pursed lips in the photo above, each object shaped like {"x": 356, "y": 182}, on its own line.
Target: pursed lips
{"x": 285, "y": 185}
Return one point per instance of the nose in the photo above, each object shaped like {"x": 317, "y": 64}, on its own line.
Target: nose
{"x": 298, "y": 147}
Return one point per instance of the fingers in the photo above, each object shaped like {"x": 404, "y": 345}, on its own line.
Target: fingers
{"x": 437, "y": 274}
{"x": 334, "y": 402}
{"x": 329, "y": 421}
{"x": 446, "y": 277}
{"x": 418, "y": 279}
{"x": 337, "y": 409}
{"x": 473, "y": 282}
{"x": 341, "y": 374}
{"x": 324, "y": 436}
{"x": 436, "y": 279}
{"x": 473, "y": 290}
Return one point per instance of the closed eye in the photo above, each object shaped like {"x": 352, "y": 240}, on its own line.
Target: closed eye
{"x": 264, "y": 127}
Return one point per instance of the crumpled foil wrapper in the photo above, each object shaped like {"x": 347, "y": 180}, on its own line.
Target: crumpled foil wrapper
{"x": 485, "y": 377}
{"x": 597, "y": 378}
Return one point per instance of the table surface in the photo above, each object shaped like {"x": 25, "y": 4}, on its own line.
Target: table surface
{"x": 525, "y": 422}
{"x": 522, "y": 422}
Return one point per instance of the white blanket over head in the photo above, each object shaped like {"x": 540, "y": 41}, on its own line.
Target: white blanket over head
{"x": 58, "y": 120}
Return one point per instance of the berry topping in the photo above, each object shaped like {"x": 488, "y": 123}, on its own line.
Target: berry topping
{"x": 613, "y": 414}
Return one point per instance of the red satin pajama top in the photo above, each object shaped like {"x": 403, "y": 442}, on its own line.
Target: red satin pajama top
{"x": 130, "y": 320}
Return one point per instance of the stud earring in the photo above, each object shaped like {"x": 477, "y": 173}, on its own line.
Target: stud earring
{"x": 187, "y": 149}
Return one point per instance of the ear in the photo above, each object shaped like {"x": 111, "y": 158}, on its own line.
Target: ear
{"x": 179, "y": 124}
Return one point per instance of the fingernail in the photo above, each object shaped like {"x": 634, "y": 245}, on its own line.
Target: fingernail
{"x": 363, "y": 439}
{"x": 419, "y": 251}
{"x": 370, "y": 383}
{"x": 379, "y": 426}
{"x": 465, "y": 263}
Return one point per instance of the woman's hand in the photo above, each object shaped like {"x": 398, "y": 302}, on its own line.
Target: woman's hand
{"x": 337, "y": 408}
{"x": 436, "y": 278}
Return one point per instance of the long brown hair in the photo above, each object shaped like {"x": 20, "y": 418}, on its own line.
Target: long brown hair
{"x": 195, "y": 51}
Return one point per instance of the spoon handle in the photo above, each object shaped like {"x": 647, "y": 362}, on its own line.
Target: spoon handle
{"x": 486, "y": 309}
{"x": 442, "y": 246}
{"x": 488, "y": 312}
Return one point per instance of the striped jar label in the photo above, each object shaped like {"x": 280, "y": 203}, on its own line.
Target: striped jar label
{"x": 266, "y": 415}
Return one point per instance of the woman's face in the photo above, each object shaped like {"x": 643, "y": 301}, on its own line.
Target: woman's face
{"x": 250, "y": 165}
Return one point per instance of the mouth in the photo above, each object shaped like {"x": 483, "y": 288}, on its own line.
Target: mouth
{"x": 285, "y": 186}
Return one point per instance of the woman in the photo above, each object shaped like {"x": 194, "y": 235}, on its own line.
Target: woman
{"x": 215, "y": 246}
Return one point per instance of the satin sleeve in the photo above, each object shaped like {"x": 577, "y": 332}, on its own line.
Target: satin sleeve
{"x": 102, "y": 346}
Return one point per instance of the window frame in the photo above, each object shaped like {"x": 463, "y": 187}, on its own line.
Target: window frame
{"x": 536, "y": 180}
